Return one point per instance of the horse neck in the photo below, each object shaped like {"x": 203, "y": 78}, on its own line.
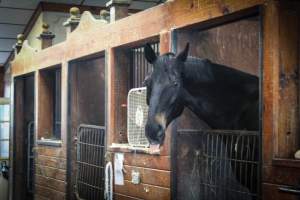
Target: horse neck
{"x": 198, "y": 90}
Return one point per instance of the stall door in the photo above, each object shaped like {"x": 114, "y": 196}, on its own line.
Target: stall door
{"x": 90, "y": 162}
{"x": 220, "y": 164}
{"x": 86, "y": 146}
{"x": 281, "y": 170}
{"x": 23, "y": 139}
{"x": 217, "y": 165}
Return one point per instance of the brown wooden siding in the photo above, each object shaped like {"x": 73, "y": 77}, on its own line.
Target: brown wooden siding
{"x": 50, "y": 173}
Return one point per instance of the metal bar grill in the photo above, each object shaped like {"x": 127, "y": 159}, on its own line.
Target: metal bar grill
{"x": 140, "y": 66}
{"x": 90, "y": 162}
{"x": 30, "y": 157}
{"x": 224, "y": 164}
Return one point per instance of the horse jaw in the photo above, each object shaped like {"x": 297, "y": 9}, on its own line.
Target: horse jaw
{"x": 154, "y": 149}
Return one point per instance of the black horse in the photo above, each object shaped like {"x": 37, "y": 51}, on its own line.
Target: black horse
{"x": 222, "y": 97}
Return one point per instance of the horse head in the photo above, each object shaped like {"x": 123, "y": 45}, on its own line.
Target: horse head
{"x": 164, "y": 91}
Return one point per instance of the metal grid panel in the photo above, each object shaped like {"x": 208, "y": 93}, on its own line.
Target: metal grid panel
{"x": 225, "y": 164}
{"x": 30, "y": 157}
{"x": 140, "y": 66}
{"x": 90, "y": 162}
{"x": 136, "y": 117}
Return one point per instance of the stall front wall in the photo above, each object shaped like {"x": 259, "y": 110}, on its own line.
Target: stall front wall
{"x": 281, "y": 100}
{"x": 98, "y": 38}
{"x": 235, "y": 44}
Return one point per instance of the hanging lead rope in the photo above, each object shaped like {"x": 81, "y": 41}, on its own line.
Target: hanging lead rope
{"x": 108, "y": 192}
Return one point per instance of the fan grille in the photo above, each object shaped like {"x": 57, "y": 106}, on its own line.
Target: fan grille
{"x": 137, "y": 117}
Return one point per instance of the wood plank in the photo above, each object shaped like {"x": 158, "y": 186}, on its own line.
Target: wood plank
{"x": 149, "y": 176}
{"x": 270, "y": 191}
{"x": 131, "y": 29}
{"x": 50, "y": 183}
{"x": 49, "y": 193}
{"x": 146, "y": 160}
{"x": 38, "y": 197}
{"x": 56, "y": 152}
{"x": 124, "y": 197}
{"x": 270, "y": 76}
{"x": 50, "y": 172}
{"x": 59, "y": 163}
{"x": 281, "y": 175}
{"x": 287, "y": 134}
{"x": 143, "y": 191}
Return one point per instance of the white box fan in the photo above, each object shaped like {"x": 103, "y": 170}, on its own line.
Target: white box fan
{"x": 137, "y": 114}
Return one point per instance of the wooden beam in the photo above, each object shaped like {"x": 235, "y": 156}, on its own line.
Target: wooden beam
{"x": 11, "y": 24}
{"x": 56, "y": 7}
{"x": 15, "y": 8}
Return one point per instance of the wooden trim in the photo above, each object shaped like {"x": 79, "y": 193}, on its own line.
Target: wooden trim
{"x": 143, "y": 191}
{"x": 286, "y": 162}
{"x": 131, "y": 29}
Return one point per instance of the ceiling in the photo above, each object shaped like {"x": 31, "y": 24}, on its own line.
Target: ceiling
{"x": 15, "y": 14}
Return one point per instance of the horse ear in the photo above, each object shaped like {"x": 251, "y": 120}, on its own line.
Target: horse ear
{"x": 150, "y": 54}
{"x": 182, "y": 56}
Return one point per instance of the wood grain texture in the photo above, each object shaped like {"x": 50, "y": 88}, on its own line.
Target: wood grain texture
{"x": 51, "y": 183}
{"x": 149, "y": 176}
{"x": 143, "y": 191}
{"x": 51, "y": 172}
{"x": 148, "y": 161}
{"x": 118, "y": 196}
{"x": 50, "y": 151}
{"x": 271, "y": 192}
{"x": 38, "y": 197}
{"x": 281, "y": 175}
{"x": 49, "y": 193}
{"x": 173, "y": 14}
{"x": 59, "y": 163}
{"x": 287, "y": 134}
{"x": 270, "y": 75}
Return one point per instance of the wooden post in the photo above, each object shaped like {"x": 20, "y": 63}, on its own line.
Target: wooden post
{"x": 73, "y": 20}
{"x": 18, "y": 45}
{"x": 118, "y": 9}
{"x": 104, "y": 16}
{"x": 46, "y": 37}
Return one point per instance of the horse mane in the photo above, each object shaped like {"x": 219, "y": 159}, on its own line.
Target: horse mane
{"x": 198, "y": 70}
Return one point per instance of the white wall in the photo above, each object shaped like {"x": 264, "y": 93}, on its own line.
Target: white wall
{"x": 55, "y": 21}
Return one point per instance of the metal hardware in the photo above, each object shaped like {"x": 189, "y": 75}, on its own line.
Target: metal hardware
{"x": 290, "y": 189}
{"x": 90, "y": 162}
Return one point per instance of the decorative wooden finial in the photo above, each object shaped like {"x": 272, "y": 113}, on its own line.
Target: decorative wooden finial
{"x": 104, "y": 15}
{"x": 46, "y": 36}
{"x": 74, "y": 13}
{"x": 73, "y": 21}
{"x": 118, "y": 9}
{"x": 45, "y": 28}
{"x": 20, "y": 39}
{"x": 18, "y": 45}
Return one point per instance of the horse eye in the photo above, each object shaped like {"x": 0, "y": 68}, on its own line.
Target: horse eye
{"x": 175, "y": 83}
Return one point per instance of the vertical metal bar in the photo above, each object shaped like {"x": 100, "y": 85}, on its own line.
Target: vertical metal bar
{"x": 143, "y": 67}
{"x": 225, "y": 167}
{"x": 248, "y": 159}
{"x": 134, "y": 67}
{"x": 241, "y": 159}
{"x": 252, "y": 165}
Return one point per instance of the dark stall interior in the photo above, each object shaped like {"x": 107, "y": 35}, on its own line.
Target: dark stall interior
{"x": 86, "y": 126}
{"x": 24, "y": 137}
{"x": 214, "y": 163}
{"x": 131, "y": 68}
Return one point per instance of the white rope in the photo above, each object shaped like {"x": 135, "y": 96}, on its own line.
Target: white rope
{"x": 108, "y": 192}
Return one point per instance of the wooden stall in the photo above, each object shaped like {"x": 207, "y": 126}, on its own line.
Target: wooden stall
{"x": 273, "y": 25}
